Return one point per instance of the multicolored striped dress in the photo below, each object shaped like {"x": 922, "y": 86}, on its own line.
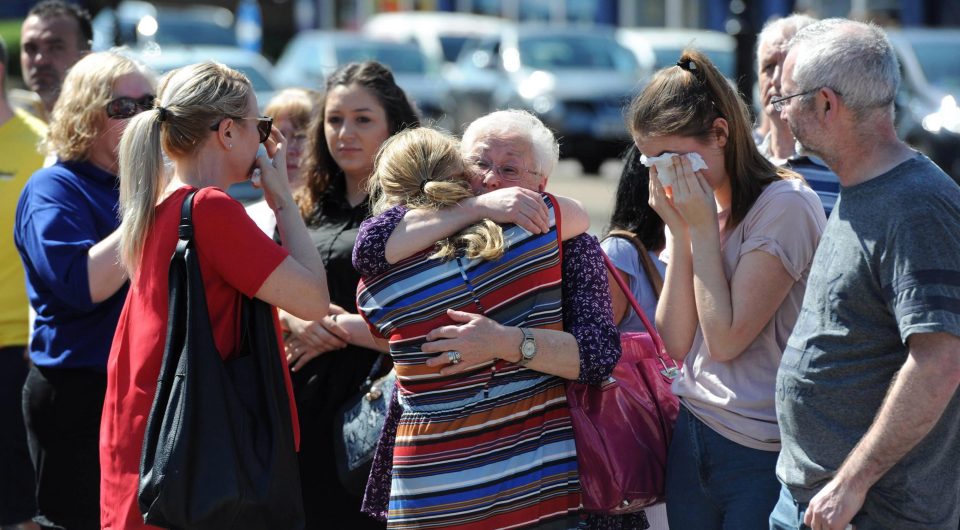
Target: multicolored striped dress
{"x": 492, "y": 447}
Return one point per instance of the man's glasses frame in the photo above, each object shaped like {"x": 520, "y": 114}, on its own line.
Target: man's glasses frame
{"x": 781, "y": 103}
{"x": 508, "y": 172}
{"x": 264, "y": 126}
{"x": 126, "y": 107}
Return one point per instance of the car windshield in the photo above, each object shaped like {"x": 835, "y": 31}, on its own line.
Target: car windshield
{"x": 724, "y": 61}
{"x": 257, "y": 80}
{"x": 400, "y": 59}
{"x": 173, "y": 29}
{"x": 452, "y": 45}
{"x": 940, "y": 64}
{"x": 560, "y": 52}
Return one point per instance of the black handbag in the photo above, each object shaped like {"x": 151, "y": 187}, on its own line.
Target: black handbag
{"x": 357, "y": 426}
{"x": 219, "y": 450}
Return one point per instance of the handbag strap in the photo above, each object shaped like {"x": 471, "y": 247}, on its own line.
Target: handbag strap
{"x": 654, "y": 335}
{"x": 372, "y": 376}
{"x": 185, "y": 228}
{"x": 651, "y": 270}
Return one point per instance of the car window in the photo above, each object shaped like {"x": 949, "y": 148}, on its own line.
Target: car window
{"x": 257, "y": 80}
{"x": 565, "y": 52}
{"x": 176, "y": 28}
{"x": 480, "y": 54}
{"x": 452, "y": 46}
{"x": 400, "y": 59}
{"x": 724, "y": 61}
{"x": 939, "y": 63}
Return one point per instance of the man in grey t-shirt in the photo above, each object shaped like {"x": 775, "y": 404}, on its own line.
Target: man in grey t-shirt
{"x": 867, "y": 397}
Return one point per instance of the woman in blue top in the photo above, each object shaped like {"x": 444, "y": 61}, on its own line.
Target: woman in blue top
{"x": 65, "y": 231}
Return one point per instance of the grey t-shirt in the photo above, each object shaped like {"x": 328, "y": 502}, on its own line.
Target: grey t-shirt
{"x": 888, "y": 266}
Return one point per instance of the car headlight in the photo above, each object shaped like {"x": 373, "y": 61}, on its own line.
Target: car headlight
{"x": 946, "y": 117}
{"x": 536, "y": 91}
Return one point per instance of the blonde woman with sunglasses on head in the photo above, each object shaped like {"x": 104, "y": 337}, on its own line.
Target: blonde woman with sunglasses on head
{"x": 206, "y": 123}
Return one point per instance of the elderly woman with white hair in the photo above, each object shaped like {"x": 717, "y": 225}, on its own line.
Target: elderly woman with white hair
{"x": 509, "y": 156}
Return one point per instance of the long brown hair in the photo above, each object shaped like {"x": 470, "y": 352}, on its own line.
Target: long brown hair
{"x": 320, "y": 170}
{"x": 686, "y": 100}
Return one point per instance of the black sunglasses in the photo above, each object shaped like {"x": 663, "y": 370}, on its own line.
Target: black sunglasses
{"x": 126, "y": 107}
{"x": 264, "y": 126}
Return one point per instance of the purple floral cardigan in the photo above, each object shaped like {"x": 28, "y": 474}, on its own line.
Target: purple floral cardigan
{"x": 587, "y": 315}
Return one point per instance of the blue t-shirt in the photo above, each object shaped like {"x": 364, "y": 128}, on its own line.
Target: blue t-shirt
{"x": 625, "y": 257}
{"x": 63, "y": 211}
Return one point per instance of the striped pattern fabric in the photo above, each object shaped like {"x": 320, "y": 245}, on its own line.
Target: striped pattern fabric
{"x": 492, "y": 447}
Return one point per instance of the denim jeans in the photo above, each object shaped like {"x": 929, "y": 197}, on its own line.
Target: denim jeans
{"x": 788, "y": 513}
{"x": 714, "y": 483}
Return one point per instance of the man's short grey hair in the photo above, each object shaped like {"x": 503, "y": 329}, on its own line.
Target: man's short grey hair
{"x": 854, "y": 59}
{"x": 514, "y": 122}
{"x": 783, "y": 28}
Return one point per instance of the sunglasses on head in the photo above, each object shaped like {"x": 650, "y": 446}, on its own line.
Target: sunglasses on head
{"x": 127, "y": 107}
{"x": 264, "y": 125}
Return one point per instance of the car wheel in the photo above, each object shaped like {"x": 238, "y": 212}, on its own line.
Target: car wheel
{"x": 591, "y": 165}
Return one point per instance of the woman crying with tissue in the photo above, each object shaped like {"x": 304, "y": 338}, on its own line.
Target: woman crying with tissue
{"x": 741, "y": 237}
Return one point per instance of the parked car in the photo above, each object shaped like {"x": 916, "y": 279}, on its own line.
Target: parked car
{"x": 138, "y": 24}
{"x": 927, "y": 115}
{"x": 313, "y": 55}
{"x": 668, "y": 43}
{"x": 578, "y": 80}
{"x": 255, "y": 66}
{"x": 440, "y": 35}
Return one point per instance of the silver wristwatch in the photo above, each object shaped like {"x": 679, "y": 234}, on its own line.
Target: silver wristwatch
{"x": 528, "y": 347}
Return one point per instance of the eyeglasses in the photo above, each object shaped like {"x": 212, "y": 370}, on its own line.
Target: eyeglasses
{"x": 781, "y": 103}
{"x": 507, "y": 172}
{"x": 126, "y": 107}
{"x": 264, "y": 126}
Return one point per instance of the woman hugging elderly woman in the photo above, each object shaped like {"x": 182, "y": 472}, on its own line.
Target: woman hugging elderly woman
{"x": 489, "y": 302}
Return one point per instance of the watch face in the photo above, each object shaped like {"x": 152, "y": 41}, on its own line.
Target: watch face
{"x": 528, "y": 349}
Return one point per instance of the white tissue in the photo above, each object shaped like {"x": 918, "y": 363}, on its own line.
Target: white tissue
{"x": 664, "y": 163}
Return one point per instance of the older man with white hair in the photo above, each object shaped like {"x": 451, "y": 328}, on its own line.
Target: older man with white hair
{"x": 867, "y": 395}
{"x": 778, "y": 144}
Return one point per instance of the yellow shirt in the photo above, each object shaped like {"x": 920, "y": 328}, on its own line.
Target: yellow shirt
{"x": 19, "y": 158}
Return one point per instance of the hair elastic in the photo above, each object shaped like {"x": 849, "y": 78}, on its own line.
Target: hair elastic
{"x": 687, "y": 65}
{"x": 161, "y": 113}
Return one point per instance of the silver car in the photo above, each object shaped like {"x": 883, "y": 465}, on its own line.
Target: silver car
{"x": 313, "y": 55}
{"x": 578, "y": 80}
{"x": 927, "y": 111}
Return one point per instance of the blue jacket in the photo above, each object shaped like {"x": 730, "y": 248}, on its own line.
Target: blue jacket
{"x": 63, "y": 211}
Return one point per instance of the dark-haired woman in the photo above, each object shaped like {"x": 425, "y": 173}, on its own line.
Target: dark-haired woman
{"x": 741, "y": 237}
{"x": 632, "y": 213}
{"x": 361, "y": 108}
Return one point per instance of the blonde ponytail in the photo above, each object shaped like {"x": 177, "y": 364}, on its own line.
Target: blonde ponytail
{"x": 190, "y": 100}
{"x": 141, "y": 183}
